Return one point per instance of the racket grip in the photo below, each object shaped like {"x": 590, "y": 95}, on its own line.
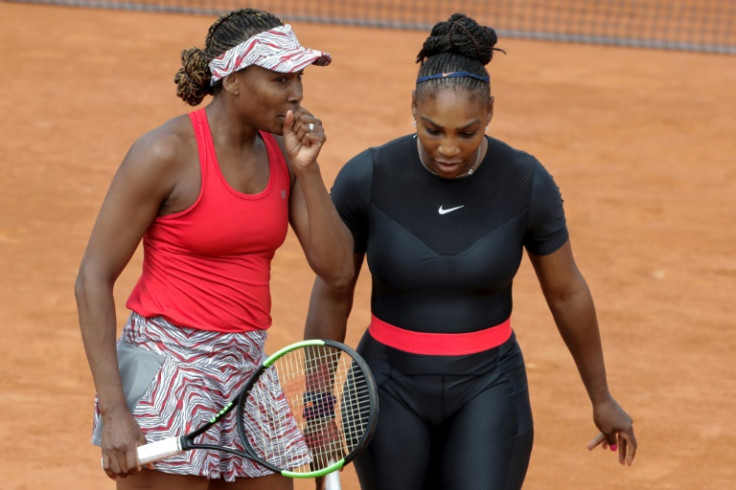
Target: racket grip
{"x": 332, "y": 480}
{"x": 155, "y": 451}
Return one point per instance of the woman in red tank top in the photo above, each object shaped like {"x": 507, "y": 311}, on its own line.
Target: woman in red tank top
{"x": 210, "y": 194}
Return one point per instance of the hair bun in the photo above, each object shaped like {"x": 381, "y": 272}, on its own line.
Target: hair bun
{"x": 460, "y": 35}
{"x": 193, "y": 78}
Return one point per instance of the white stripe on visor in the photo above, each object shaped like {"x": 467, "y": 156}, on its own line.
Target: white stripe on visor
{"x": 276, "y": 49}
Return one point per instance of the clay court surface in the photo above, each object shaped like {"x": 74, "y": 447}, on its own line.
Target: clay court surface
{"x": 641, "y": 143}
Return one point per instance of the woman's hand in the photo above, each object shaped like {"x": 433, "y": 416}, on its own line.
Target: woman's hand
{"x": 121, "y": 437}
{"x": 303, "y": 137}
{"x": 616, "y": 430}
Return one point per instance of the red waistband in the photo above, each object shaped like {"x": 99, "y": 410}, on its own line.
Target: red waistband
{"x": 439, "y": 344}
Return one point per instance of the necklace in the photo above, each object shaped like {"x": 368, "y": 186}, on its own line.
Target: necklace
{"x": 470, "y": 171}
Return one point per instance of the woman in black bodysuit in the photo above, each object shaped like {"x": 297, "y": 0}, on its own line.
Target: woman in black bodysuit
{"x": 443, "y": 217}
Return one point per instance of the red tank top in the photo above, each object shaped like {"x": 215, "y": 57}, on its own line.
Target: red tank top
{"x": 208, "y": 267}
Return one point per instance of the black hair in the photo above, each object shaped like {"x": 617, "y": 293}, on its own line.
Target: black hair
{"x": 193, "y": 78}
{"x": 458, "y": 44}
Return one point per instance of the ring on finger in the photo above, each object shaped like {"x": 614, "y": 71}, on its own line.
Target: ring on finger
{"x": 311, "y": 127}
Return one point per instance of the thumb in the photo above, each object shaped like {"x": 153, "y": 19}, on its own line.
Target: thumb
{"x": 288, "y": 123}
{"x": 607, "y": 441}
{"x": 142, "y": 441}
{"x": 597, "y": 440}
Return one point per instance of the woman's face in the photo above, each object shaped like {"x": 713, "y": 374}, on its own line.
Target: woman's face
{"x": 451, "y": 126}
{"x": 268, "y": 95}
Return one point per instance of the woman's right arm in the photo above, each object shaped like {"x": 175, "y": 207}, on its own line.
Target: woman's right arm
{"x": 133, "y": 200}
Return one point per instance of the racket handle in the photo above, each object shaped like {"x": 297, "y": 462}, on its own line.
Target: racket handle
{"x": 155, "y": 451}
{"x": 332, "y": 480}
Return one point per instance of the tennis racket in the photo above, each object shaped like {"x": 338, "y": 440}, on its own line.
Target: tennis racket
{"x": 308, "y": 410}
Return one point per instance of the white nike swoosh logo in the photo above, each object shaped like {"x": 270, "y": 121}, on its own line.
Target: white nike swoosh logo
{"x": 449, "y": 210}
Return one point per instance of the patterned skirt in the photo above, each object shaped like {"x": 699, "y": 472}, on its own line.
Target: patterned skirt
{"x": 176, "y": 379}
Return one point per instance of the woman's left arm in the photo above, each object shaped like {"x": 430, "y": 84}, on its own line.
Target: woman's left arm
{"x": 569, "y": 299}
{"x": 326, "y": 240}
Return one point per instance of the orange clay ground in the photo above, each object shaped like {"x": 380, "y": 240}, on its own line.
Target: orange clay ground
{"x": 641, "y": 143}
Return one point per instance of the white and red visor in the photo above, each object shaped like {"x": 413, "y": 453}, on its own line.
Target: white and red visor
{"x": 276, "y": 49}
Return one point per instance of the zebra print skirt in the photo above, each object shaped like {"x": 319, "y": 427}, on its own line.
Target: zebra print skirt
{"x": 176, "y": 378}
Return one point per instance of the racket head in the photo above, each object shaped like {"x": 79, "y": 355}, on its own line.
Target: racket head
{"x": 311, "y": 409}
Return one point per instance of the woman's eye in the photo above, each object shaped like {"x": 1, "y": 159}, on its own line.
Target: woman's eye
{"x": 432, "y": 131}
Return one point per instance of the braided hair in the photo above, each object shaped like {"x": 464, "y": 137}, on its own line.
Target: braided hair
{"x": 193, "y": 78}
{"x": 459, "y": 44}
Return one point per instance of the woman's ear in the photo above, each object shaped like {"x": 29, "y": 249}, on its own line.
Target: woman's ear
{"x": 414, "y": 104}
{"x": 231, "y": 84}
{"x": 490, "y": 110}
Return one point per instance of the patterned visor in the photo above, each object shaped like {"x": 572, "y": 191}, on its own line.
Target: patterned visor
{"x": 277, "y": 49}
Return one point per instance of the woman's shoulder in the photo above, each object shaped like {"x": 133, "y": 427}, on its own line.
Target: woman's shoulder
{"x": 512, "y": 154}
{"x": 390, "y": 148}
{"x": 165, "y": 144}
{"x": 361, "y": 166}
{"x": 171, "y": 136}
{"x": 515, "y": 157}
{"x": 383, "y": 154}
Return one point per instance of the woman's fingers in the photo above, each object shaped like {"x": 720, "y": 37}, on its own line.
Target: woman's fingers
{"x": 625, "y": 444}
{"x": 628, "y": 447}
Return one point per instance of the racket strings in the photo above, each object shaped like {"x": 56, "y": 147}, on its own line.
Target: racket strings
{"x": 270, "y": 429}
{"x": 309, "y": 409}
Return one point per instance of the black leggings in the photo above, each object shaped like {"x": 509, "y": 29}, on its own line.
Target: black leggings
{"x": 450, "y": 423}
